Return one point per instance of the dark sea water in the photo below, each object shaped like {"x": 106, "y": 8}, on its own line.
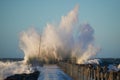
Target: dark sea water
{"x": 11, "y": 59}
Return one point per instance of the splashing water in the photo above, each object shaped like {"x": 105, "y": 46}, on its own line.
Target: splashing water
{"x": 65, "y": 40}
{"x": 10, "y": 68}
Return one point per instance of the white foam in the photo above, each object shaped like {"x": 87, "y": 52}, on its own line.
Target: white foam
{"x": 93, "y": 61}
{"x": 10, "y": 68}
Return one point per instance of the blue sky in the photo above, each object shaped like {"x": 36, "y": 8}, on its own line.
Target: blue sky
{"x": 19, "y": 15}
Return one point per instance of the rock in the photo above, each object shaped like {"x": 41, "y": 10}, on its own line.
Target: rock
{"x": 31, "y": 76}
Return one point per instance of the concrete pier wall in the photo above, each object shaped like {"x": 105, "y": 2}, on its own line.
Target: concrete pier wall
{"x": 88, "y": 71}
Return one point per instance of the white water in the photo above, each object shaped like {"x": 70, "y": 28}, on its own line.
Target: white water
{"x": 93, "y": 61}
{"x": 58, "y": 41}
{"x": 11, "y": 68}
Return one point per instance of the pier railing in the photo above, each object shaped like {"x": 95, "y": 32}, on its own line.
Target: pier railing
{"x": 88, "y": 71}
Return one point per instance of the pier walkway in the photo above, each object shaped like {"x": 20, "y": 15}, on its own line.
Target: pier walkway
{"x": 53, "y": 72}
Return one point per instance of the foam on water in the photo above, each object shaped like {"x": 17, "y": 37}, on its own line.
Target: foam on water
{"x": 94, "y": 61}
{"x": 11, "y": 68}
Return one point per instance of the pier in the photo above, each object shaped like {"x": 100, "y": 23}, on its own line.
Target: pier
{"x": 88, "y": 71}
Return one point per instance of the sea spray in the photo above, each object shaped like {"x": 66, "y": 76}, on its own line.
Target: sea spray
{"x": 65, "y": 40}
{"x": 11, "y": 68}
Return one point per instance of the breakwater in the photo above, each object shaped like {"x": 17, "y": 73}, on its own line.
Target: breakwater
{"x": 89, "y": 71}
